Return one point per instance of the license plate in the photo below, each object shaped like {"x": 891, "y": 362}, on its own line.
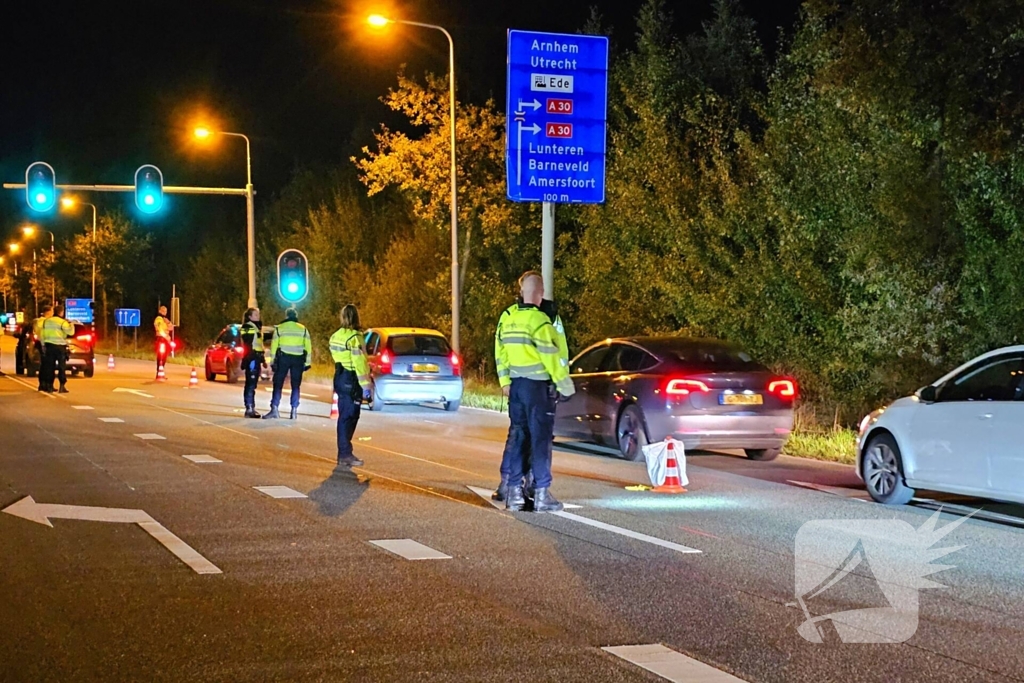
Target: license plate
{"x": 425, "y": 367}
{"x": 741, "y": 399}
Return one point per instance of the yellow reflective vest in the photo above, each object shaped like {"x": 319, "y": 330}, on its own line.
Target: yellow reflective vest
{"x": 501, "y": 357}
{"x": 531, "y": 348}
{"x": 37, "y": 328}
{"x": 292, "y": 338}
{"x": 162, "y": 326}
{"x": 56, "y": 330}
{"x": 347, "y": 348}
{"x": 251, "y": 329}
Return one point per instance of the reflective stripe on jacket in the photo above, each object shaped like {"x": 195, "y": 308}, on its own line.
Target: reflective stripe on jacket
{"x": 252, "y": 337}
{"x": 293, "y": 339}
{"x": 56, "y": 330}
{"x": 162, "y": 326}
{"x": 531, "y": 346}
{"x": 500, "y": 357}
{"x": 347, "y": 348}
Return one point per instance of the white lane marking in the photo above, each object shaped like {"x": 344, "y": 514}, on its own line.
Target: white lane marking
{"x": 137, "y": 392}
{"x": 410, "y": 549}
{"x": 430, "y": 422}
{"x": 29, "y": 509}
{"x": 270, "y": 390}
{"x": 280, "y": 492}
{"x": 83, "y": 407}
{"x": 626, "y": 532}
{"x": 26, "y": 384}
{"x": 151, "y": 437}
{"x": 671, "y": 665}
{"x": 212, "y": 424}
{"x": 854, "y": 494}
{"x": 110, "y": 420}
{"x": 202, "y": 459}
{"x": 486, "y": 495}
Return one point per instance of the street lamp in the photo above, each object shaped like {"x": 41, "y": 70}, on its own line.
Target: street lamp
{"x": 202, "y": 133}
{"x": 381, "y": 21}
{"x": 70, "y": 203}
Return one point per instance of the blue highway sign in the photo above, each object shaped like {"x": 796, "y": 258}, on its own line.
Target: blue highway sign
{"x": 78, "y": 310}
{"x": 556, "y": 112}
{"x": 128, "y": 317}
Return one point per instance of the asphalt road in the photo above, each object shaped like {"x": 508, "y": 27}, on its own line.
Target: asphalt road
{"x": 303, "y": 593}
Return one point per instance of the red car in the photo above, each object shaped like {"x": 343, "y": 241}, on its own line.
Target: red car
{"x": 224, "y": 355}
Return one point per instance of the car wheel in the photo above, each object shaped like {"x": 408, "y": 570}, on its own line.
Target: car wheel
{"x": 632, "y": 437}
{"x": 210, "y": 374}
{"x": 90, "y": 370}
{"x": 376, "y": 404}
{"x": 762, "y": 453}
{"x": 452, "y": 406}
{"x": 882, "y": 469}
{"x": 231, "y": 373}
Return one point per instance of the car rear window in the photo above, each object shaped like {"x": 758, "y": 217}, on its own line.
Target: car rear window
{"x": 715, "y": 357}
{"x": 419, "y": 345}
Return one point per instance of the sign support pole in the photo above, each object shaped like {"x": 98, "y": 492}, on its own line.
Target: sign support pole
{"x": 547, "y": 254}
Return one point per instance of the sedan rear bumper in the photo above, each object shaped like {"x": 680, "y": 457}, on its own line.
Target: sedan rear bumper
{"x": 723, "y": 431}
{"x": 396, "y": 389}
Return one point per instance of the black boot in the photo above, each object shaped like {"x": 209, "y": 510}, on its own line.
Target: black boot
{"x": 502, "y": 490}
{"x": 514, "y": 499}
{"x": 350, "y": 461}
{"x": 543, "y": 501}
{"x": 295, "y": 414}
{"x": 272, "y": 414}
{"x": 63, "y": 390}
{"x": 250, "y": 412}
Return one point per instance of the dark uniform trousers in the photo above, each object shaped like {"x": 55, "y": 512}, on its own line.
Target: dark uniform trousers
{"x": 350, "y": 396}
{"x": 531, "y": 407}
{"x": 287, "y": 365}
{"x": 54, "y": 365}
{"x": 252, "y": 364}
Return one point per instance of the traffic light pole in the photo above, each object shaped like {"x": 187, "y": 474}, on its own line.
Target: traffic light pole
{"x": 168, "y": 189}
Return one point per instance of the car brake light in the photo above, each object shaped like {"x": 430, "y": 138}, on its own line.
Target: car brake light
{"x": 783, "y": 388}
{"x": 685, "y": 387}
{"x": 456, "y": 364}
{"x": 84, "y": 337}
{"x": 174, "y": 345}
{"x": 240, "y": 350}
{"x": 385, "y": 363}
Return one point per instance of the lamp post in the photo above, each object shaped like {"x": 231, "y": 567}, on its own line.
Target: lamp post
{"x": 380, "y": 21}
{"x": 68, "y": 203}
{"x": 250, "y": 214}
{"x": 29, "y": 231}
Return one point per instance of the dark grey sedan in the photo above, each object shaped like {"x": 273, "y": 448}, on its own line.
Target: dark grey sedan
{"x": 703, "y": 392}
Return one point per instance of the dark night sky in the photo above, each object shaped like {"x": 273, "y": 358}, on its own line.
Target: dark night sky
{"x": 99, "y": 87}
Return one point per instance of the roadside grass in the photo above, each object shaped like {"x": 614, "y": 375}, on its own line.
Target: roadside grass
{"x": 835, "y": 445}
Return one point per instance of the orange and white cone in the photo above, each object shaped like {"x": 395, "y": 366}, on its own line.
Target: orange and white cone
{"x": 161, "y": 376}
{"x": 110, "y": 362}
{"x": 672, "y": 483}
{"x": 193, "y": 380}
{"x": 334, "y": 406}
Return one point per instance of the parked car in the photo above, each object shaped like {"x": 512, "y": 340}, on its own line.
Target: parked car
{"x": 703, "y": 392}
{"x": 224, "y": 355}
{"x": 81, "y": 350}
{"x": 962, "y": 434}
{"x": 413, "y": 365}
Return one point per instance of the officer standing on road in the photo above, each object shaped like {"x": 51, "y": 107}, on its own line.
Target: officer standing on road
{"x": 351, "y": 381}
{"x": 292, "y": 352}
{"x": 162, "y": 329}
{"x": 37, "y": 341}
{"x": 253, "y": 360}
{"x": 538, "y": 374}
{"x": 56, "y": 331}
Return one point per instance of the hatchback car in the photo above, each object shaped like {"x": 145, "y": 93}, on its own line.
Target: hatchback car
{"x": 962, "y": 434}
{"x": 413, "y": 365}
{"x": 81, "y": 350}
{"x": 703, "y": 392}
{"x": 224, "y": 355}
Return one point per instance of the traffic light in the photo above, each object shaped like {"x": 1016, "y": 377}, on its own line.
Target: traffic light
{"x": 3, "y": 319}
{"x": 40, "y": 186}
{"x": 149, "y": 189}
{"x": 292, "y": 275}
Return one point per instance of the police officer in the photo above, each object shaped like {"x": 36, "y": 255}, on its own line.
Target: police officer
{"x": 537, "y": 374}
{"x": 55, "y": 333}
{"x": 351, "y": 381}
{"x": 162, "y": 332}
{"x": 36, "y": 340}
{"x": 514, "y": 440}
{"x": 253, "y": 360}
{"x": 292, "y": 352}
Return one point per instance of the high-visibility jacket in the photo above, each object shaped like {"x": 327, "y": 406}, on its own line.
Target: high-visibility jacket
{"x": 530, "y": 343}
{"x": 347, "y": 349}
{"x": 252, "y": 337}
{"x": 291, "y": 338}
{"x": 56, "y": 330}
{"x": 501, "y": 357}
{"x": 37, "y": 328}
{"x": 162, "y": 326}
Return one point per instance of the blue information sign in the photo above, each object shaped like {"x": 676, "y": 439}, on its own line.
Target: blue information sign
{"x": 128, "y": 317}
{"x": 78, "y": 310}
{"x": 556, "y": 110}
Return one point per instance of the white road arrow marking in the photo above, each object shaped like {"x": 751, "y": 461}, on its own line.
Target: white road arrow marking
{"x": 137, "y": 392}
{"x": 41, "y": 513}
{"x": 534, "y": 128}
{"x": 535, "y": 105}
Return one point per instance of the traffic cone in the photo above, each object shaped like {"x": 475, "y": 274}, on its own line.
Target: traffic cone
{"x": 110, "y": 362}
{"x": 193, "y": 380}
{"x": 672, "y": 474}
{"x": 334, "y": 406}
{"x": 161, "y": 376}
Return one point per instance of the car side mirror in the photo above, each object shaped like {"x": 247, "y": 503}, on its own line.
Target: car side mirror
{"x": 928, "y": 394}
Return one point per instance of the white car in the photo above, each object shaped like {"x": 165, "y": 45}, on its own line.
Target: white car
{"x": 963, "y": 434}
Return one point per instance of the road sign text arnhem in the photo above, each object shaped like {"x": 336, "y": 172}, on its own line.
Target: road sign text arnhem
{"x": 555, "y": 146}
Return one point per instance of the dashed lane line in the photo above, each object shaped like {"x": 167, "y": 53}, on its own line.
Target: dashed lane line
{"x": 151, "y": 437}
{"x": 83, "y": 407}
{"x": 626, "y": 532}
{"x": 410, "y": 549}
{"x": 202, "y": 459}
{"x": 111, "y": 420}
{"x": 280, "y": 492}
{"x": 671, "y": 665}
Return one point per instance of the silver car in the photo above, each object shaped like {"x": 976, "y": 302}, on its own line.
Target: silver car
{"x": 413, "y": 365}
{"x": 703, "y": 392}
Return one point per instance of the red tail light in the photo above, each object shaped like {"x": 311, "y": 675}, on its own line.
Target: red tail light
{"x": 84, "y": 337}
{"x": 385, "y": 363}
{"x": 685, "y": 387}
{"x": 174, "y": 345}
{"x": 456, "y": 364}
{"x": 783, "y": 388}
{"x": 240, "y": 350}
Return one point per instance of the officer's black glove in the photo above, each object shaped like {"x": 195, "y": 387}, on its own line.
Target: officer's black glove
{"x": 367, "y": 395}
{"x": 306, "y": 368}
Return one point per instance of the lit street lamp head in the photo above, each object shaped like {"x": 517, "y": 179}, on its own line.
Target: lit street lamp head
{"x": 28, "y": 230}
{"x": 14, "y": 247}
{"x": 67, "y": 202}
{"x": 202, "y": 133}
{"x": 378, "y": 20}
